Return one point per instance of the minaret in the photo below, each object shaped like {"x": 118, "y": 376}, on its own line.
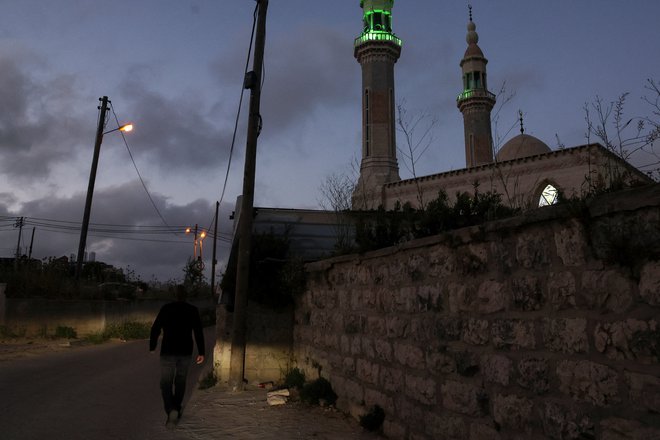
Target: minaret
{"x": 476, "y": 102}
{"x": 377, "y": 49}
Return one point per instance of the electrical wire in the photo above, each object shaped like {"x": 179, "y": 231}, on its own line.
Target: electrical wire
{"x": 137, "y": 170}
{"x": 238, "y": 112}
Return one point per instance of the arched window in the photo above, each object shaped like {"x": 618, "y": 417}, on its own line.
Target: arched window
{"x": 548, "y": 196}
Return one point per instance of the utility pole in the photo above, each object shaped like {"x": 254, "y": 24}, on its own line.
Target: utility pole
{"x": 253, "y": 82}
{"x": 31, "y": 242}
{"x": 90, "y": 187}
{"x": 19, "y": 224}
{"x": 215, "y": 242}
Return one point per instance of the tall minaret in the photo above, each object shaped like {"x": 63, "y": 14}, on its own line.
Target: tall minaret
{"x": 377, "y": 49}
{"x": 476, "y": 102}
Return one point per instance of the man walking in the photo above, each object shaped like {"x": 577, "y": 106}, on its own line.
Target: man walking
{"x": 178, "y": 321}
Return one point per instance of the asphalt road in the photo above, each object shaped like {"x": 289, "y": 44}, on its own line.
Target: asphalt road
{"x": 108, "y": 391}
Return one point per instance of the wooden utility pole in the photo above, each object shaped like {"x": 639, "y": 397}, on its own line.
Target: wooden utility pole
{"x": 253, "y": 82}
{"x": 19, "y": 224}
{"x": 215, "y": 242}
{"x": 90, "y": 188}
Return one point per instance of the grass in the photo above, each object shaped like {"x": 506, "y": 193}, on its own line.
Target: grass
{"x": 127, "y": 331}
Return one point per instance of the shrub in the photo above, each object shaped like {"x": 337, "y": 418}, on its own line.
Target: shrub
{"x": 96, "y": 338}
{"x": 373, "y": 420}
{"x": 208, "y": 381}
{"x": 294, "y": 378}
{"x": 128, "y": 330}
{"x": 317, "y": 392}
{"x": 65, "y": 332}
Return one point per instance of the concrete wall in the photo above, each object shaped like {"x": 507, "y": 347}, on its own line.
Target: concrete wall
{"x": 544, "y": 326}
{"x": 42, "y": 316}
{"x": 268, "y": 350}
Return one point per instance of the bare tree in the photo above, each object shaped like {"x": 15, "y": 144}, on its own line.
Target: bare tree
{"x": 336, "y": 195}
{"x": 502, "y": 98}
{"x": 627, "y": 137}
{"x": 418, "y": 134}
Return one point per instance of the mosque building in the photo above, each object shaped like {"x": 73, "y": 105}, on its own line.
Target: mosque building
{"x": 525, "y": 171}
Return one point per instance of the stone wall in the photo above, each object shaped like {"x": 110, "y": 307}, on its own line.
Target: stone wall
{"x": 541, "y": 326}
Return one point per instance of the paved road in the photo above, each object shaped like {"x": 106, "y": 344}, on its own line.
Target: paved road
{"x": 108, "y": 391}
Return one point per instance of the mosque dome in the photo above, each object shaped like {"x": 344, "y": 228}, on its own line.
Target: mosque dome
{"x": 522, "y": 145}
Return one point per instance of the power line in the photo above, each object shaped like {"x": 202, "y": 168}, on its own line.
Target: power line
{"x": 136, "y": 168}
{"x": 238, "y": 112}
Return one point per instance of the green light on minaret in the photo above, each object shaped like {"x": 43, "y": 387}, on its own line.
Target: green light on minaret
{"x": 377, "y": 22}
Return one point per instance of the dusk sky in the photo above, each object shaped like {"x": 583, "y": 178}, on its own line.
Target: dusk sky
{"x": 175, "y": 69}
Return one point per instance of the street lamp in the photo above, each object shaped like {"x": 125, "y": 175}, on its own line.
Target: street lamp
{"x": 92, "y": 178}
{"x": 197, "y": 239}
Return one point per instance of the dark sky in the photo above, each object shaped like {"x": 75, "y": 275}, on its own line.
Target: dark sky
{"x": 175, "y": 68}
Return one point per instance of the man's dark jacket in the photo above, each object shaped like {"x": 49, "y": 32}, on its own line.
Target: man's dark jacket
{"x": 178, "y": 321}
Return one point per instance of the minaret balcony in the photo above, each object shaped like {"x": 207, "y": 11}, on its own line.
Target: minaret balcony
{"x": 475, "y": 93}
{"x": 377, "y": 36}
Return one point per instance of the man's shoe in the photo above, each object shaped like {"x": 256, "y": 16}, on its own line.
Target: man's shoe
{"x": 172, "y": 419}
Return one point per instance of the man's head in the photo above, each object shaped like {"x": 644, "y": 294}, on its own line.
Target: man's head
{"x": 181, "y": 293}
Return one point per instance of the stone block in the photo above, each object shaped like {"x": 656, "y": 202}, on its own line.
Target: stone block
{"x": 446, "y": 426}
{"x": 534, "y": 375}
{"x": 368, "y": 350}
{"x": 532, "y": 249}
{"x": 397, "y": 327}
{"x": 561, "y": 290}
{"x": 442, "y": 262}
{"x": 570, "y": 243}
{"x": 394, "y": 429}
{"x": 623, "y": 429}
{"x": 566, "y": 335}
{"x": 608, "y": 290}
{"x": 476, "y": 332}
{"x": 643, "y": 390}
{"x": 467, "y": 363}
{"x": 513, "y": 334}
{"x": 423, "y": 327}
{"x": 589, "y": 382}
{"x": 526, "y": 293}
{"x": 421, "y": 389}
{"x": 376, "y": 325}
{"x": 392, "y": 379}
{"x": 490, "y": 297}
{"x": 464, "y": 398}
{"x": 513, "y": 412}
{"x": 409, "y": 355}
{"x": 438, "y": 360}
{"x": 448, "y": 329}
{"x": 383, "y": 350}
{"x": 367, "y": 371}
{"x": 564, "y": 423}
{"x": 629, "y": 339}
{"x": 496, "y": 368}
{"x": 649, "y": 283}
{"x": 479, "y": 431}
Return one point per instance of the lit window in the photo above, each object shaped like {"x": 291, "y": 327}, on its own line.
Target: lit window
{"x": 548, "y": 196}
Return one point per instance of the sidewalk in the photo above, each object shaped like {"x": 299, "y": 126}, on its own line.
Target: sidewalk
{"x": 219, "y": 414}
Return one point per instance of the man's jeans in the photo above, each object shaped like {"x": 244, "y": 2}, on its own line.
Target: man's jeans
{"x": 173, "y": 374}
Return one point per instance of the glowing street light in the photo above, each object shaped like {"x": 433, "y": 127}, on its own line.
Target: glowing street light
{"x": 197, "y": 239}
{"x": 92, "y": 179}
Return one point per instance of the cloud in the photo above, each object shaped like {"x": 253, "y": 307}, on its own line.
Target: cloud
{"x": 120, "y": 207}
{"x": 174, "y": 130}
{"x": 35, "y": 133}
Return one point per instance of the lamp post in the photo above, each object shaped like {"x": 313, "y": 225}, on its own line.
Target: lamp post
{"x": 92, "y": 179}
{"x": 197, "y": 240}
